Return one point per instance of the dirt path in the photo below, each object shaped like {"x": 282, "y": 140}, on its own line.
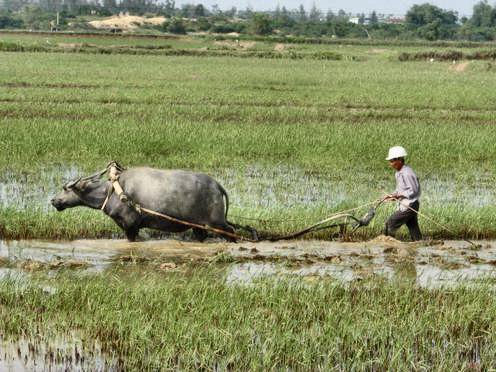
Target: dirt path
{"x": 459, "y": 67}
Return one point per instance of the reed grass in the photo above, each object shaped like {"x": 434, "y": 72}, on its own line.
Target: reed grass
{"x": 291, "y": 140}
{"x": 191, "y": 320}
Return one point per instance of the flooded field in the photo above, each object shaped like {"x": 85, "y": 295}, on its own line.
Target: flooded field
{"x": 261, "y": 189}
{"x": 289, "y": 152}
{"x": 274, "y": 200}
{"x": 65, "y": 353}
{"x": 429, "y": 264}
{"x": 111, "y": 288}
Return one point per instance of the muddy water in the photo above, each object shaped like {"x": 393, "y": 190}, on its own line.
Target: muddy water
{"x": 258, "y": 188}
{"x": 429, "y": 264}
{"x": 55, "y": 354}
{"x": 27, "y": 191}
{"x": 432, "y": 265}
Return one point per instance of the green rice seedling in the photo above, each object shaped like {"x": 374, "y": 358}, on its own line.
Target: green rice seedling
{"x": 293, "y": 141}
{"x": 192, "y": 319}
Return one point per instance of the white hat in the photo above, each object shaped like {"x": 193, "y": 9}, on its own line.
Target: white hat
{"x": 396, "y": 152}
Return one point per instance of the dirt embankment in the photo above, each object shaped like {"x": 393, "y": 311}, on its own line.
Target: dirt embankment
{"x": 126, "y": 22}
{"x": 459, "y": 67}
{"x": 236, "y": 44}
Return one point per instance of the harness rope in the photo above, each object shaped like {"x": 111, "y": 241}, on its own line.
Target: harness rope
{"x": 115, "y": 186}
{"x": 436, "y": 223}
{"x": 342, "y": 214}
{"x": 114, "y": 170}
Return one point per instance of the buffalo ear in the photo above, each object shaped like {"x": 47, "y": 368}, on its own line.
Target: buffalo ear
{"x": 81, "y": 185}
{"x": 71, "y": 184}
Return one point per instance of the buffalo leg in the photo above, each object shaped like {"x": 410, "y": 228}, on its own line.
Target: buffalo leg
{"x": 131, "y": 234}
{"x": 228, "y": 228}
{"x": 199, "y": 234}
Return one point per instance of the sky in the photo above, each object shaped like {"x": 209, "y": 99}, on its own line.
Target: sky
{"x": 396, "y": 7}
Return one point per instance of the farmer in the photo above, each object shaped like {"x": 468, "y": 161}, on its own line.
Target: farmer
{"x": 407, "y": 194}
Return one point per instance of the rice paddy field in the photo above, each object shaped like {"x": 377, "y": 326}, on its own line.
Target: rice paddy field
{"x": 292, "y": 139}
{"x": 294, "y": 132}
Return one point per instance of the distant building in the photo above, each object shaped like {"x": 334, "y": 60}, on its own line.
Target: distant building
{"x": 395, "y": 20}
{"x": 381, "y": 18}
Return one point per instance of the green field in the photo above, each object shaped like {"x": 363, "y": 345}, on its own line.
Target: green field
{"x": 292, "y": 140}
{"x": 148, "y": 320}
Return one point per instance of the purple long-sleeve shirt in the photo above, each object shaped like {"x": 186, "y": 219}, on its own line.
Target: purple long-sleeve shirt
{"x": 407, "y": 186}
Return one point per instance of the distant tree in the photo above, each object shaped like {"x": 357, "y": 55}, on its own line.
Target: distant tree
{"x": 187, "y": 10}
{"x": 176, "y": 26}
{"x": 36, "y": 18}
{"x": 110, "y": 5}
{"x": 330, "y": 16}
{"x": 216, "y": 10}
{"x": 248, "y": 12}
{"x": 342, "y": 15}
{"x": 422, "y": 15}
{"x": 315, "y": 14}
{"x": 169, "y": 8}
{"x": 302, "y": 14}
{"x": 13, "y": 5}
{"x": 284, "y": 12}
{"x": 7, "y": 21}
{"x": 261, "y": 24}
{"x": 361, "y": 19}
{"x": 199, "y": 11}
{"x": 203, "y": 24}
{"x": 374, "y": 20}
{"x": 282, "y": 19}
{"x": 483, "y": 15}
{"x": 431, "y": 23}
{"x": 231, "y": 12}
{"x": 482, "y": 25}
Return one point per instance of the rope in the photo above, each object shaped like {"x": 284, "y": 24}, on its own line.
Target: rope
{"x": 114, "y": 169}
{"x": 345, "y": 213}
{"x": 268, "y": 220}
{"x": 203, "y": 227}
{"x": 303, "y": 218}
{"x": 436, "y": 223}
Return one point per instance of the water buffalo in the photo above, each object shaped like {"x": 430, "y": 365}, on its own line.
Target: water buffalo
{"x": 188, "y": 196}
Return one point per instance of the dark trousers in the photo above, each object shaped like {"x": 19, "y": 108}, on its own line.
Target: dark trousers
{"x": 400, "y": 218}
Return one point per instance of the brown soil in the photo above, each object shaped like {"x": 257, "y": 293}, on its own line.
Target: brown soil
{"x": 459, "y": 67}
{"x": 69, "y": 45}
{"x": 378, "y": 51}
{"x": 126, "y": 22}
{"x": 431, "y": 263}
{"x": 244, "y": 45}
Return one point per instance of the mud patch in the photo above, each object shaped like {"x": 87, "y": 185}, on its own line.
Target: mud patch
{"x": 459, "y": 67}
{"x": 70, "y": 45}
{"x": 378, "y": 51}
{"x": 429, "y": 264}
{"x": 33, "y": 255}
{"x": 126, "y": 22}
{"x": 236, "y": 44}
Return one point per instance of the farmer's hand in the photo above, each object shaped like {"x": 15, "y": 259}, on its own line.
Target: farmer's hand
{"x": 389, "y": 197}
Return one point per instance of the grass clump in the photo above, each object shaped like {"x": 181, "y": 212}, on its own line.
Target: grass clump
{"x": 291, "y": 140}
{"x": 192, "y": 320}
{"x": 450, "y": 55}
